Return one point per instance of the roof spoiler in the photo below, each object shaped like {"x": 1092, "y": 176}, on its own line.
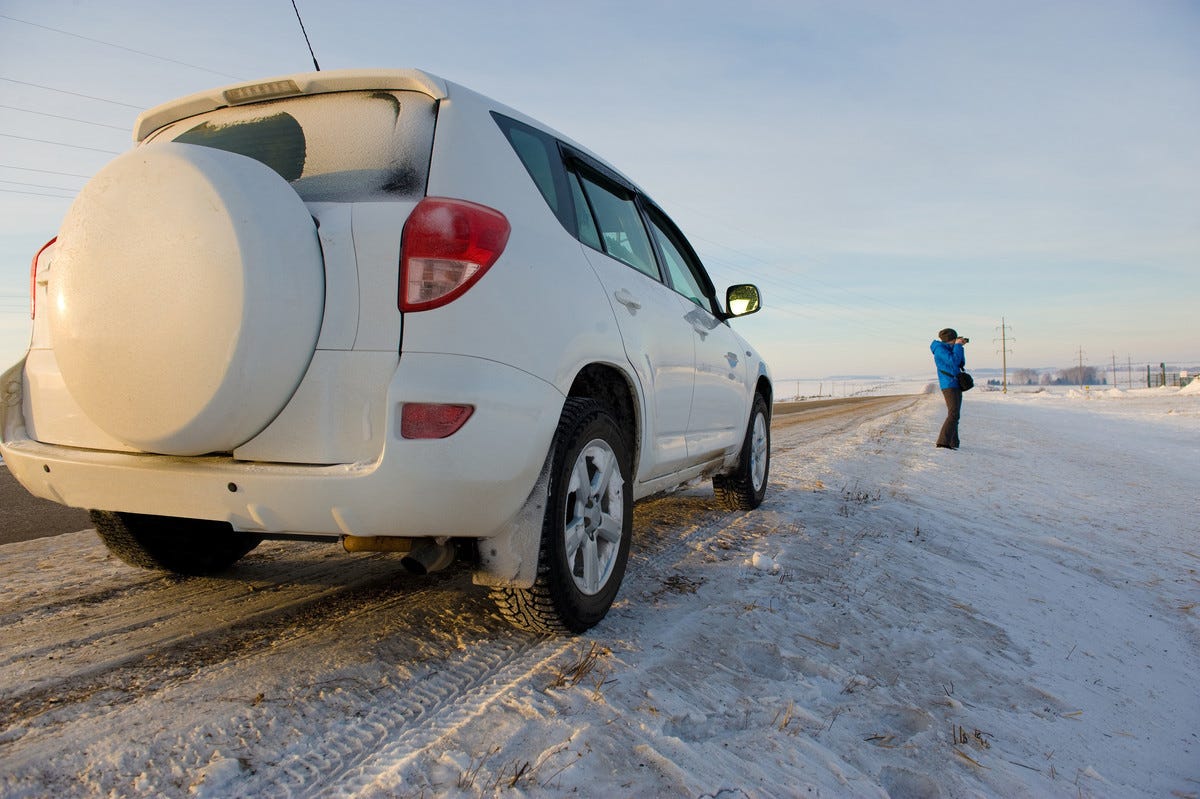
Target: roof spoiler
{"x": 342, "y": 80}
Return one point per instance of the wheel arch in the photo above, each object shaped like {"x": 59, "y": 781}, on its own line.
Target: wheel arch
{"x": 613, "y": 388}
{"x": 765, "y": 388}
{"x": 509, "y": 559}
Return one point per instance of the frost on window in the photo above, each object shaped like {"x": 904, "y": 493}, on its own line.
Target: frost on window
{"x": 277, "y": 141}
{"x": 331, "y": 147}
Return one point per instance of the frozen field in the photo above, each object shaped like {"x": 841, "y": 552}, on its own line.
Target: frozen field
{"x": 1020, "y": 617}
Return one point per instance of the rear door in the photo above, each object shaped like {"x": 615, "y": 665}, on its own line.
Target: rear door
{"x": 658, "y": 337}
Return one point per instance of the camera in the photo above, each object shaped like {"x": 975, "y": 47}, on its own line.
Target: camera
{"x": 966, "y": 340}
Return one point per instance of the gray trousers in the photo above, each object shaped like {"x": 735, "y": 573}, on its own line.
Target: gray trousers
{"x": 948, "y": 437}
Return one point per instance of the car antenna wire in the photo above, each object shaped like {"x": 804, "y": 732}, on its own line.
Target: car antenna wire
{"x": 306, "y": 41}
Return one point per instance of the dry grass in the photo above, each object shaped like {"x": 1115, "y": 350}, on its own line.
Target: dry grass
{"x": 467, "y": 778}
{"x": 517, "y": 773}
{"x": 784, "y": 717}
{"x": 819, "y": 641}
{"x": 583, "y": 666}
{"x": 855, "y": 496}
{"x": 679, "y": 584}
{"x": 964, "y": 756}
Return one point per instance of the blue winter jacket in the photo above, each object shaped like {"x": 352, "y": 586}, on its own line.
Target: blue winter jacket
{"x": 949, "y": 359}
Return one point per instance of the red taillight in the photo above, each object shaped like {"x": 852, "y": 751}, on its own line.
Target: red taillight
{"x": 447, "y": 246}
{"x": 432, "y": 420}
{"x": 33, "y": 278}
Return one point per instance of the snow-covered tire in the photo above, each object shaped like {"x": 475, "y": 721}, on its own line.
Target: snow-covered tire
{"x": 186, "y": 298}
{"x": 746, "y": 486}
{"x": 183, "y": 546}
{"x": 586, "y": 529}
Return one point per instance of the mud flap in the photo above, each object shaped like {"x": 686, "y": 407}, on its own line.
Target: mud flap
{"x": 509, "y": 559}
{"x": 12, "y": 392}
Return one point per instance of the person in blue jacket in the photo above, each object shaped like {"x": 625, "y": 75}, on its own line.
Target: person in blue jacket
{"x": 950, "y": 359}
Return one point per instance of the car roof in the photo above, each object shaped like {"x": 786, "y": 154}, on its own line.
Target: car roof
{"x": 295, "y": 85}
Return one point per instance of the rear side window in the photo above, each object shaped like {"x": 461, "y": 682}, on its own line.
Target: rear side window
{"x": 583, "y": 216}
{"x": 601, "y": 209}
{"x": 620, "y": 225}
{"x": 331, "y": 147}
{"x": 540, "y": 156}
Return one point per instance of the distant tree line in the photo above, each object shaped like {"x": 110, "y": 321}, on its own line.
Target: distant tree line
{"x": 1089, "y": 376}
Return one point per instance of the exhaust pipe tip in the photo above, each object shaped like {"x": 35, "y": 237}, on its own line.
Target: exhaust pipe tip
{"x": 428, "y": 556}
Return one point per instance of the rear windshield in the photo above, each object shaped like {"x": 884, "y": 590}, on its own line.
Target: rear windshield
{"x": 330, "y": 147}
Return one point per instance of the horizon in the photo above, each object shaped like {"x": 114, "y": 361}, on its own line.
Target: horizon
{"x": 881, "y": 171}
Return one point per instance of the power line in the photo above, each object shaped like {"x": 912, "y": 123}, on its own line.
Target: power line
{"x": 757, "y": 276}
{"x": 857, "y": 296}
{"x": 46, "y": 171}
{"x": 832, "y": 309}
{"x": 60, "y": 143}
{"x": 36, "y": 185}
{"x": 38, "y": 194}
{"x": 69, "y": 119}
{"x": 73, "y": 94}
{"x": 764, "y": 262}
{"x": 120, "y": 47}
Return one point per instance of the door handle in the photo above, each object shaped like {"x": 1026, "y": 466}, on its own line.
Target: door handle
{"x": 626, "y": 298}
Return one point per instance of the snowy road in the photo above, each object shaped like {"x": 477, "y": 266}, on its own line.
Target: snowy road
{"x": 1003, "y": 620}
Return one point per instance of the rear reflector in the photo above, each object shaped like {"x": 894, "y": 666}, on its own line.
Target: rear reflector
{"x": 33, "y": 278}
{"x": 447, "y": 247}
{"x": 432, "y": 420}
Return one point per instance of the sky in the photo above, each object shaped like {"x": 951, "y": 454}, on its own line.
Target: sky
{"x": 881, "y": 170}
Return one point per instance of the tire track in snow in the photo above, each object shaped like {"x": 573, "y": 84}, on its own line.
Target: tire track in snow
{"x": 403, "y": 728}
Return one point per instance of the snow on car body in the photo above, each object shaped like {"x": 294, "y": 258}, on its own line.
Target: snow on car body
{"x": 377, "y": 306}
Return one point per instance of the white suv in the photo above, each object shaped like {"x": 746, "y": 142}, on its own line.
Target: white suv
{"x": 377, "y": 307}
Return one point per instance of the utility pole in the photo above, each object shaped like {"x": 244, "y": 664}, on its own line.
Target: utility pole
{"x": 1081, "y": 368}
{"x": 1004, "y": 350}
{"x": 1114, "y": 369}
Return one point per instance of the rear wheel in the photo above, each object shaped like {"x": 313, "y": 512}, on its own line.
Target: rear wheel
{"x": 586, "y": 529}
{"x": 183, "y": 546}
{"x": 745, "y": 488}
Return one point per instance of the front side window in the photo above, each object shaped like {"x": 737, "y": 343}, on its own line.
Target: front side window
{"x": 331, "y": 147}
{"x": 683, "y": 269}
{"x": 620, "y": 226}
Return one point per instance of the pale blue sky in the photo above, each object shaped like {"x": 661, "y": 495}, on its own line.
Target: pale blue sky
{"x": 881, "y": 169}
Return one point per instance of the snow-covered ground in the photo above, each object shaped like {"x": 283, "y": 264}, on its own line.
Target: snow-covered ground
{"x": 1015, "y": 618}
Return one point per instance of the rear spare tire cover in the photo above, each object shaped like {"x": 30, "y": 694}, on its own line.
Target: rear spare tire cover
{"x": 186, "y": 298}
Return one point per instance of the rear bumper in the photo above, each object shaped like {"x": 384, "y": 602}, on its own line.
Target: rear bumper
{"x": 469, "y": 484}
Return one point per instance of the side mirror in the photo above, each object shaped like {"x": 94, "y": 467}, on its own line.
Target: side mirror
{"x": 742, "y": 300}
